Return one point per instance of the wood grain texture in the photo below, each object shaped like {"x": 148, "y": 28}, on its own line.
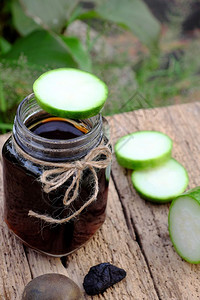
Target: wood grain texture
{"x": 173, "y": 277}
{"x": 114, "y": 244}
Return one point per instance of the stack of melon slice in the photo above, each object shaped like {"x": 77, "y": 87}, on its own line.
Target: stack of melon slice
{"x": 156, "y": 176}
{"x": 160, "y": 178}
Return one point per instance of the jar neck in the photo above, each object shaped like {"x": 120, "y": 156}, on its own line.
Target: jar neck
{"x": 50, "y": 149}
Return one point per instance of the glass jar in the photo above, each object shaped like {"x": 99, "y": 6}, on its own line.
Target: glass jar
{"x": 23, "y": 190}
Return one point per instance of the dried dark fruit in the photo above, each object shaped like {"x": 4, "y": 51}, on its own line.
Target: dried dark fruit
{"x": 52, "y": 287}
{"x": 101, "y": 277}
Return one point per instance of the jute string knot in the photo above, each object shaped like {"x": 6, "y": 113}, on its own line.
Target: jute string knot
{"x": 58, "y": 174}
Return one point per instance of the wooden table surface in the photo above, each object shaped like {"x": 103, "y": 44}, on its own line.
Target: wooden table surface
{"x": 135, "y": 234}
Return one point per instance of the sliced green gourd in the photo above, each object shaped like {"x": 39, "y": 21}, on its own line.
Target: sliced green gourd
{"x": 143, "y": 149}
{"x": 70, "y": 93}
{"x": 162, "y": 183}
{"x": 184, "y": 225}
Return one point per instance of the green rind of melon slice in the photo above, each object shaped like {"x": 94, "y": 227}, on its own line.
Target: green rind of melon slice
{"x": 62, "y": 108}
{"x": 186, "y": 205}
{"x": 156, "y": 196}
{"x": 139, "y": 164}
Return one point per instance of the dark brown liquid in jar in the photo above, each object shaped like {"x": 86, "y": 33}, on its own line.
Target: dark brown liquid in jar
{"x": 23, "y": 192}
{"x": 56, "y": 128}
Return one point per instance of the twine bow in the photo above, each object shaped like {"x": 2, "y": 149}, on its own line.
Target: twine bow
{"x": 52, "y": 179}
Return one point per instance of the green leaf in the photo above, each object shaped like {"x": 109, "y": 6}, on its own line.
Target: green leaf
{"x": 78, "y": 10}
{"x": 90, "y": 14}
{"x": 133, "y": 15}
{"x": 3, "y": 106}
{"x": 5, "y": 46}
{"x": 42, "y": 48}
{"x": 50, "y": 14}
{"x": 22, "y": 23}
{"x": 6, "y": 126}
{"x": 80, "y": 55}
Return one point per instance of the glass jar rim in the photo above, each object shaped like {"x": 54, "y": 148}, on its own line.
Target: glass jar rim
{"x": 57, "y": 141}
{"x": 52, "y": 149}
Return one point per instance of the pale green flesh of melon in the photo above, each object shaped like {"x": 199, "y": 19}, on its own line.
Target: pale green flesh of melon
{"x": 184, "y": 227}
{"x": 146, "y": 145}
{"x": 143, "y": 147}
{"x": 70, "y": 90}
{"x": 163, "y": 182}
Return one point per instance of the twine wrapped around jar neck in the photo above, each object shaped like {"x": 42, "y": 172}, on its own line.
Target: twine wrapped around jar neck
{"x": 58, "y": 173}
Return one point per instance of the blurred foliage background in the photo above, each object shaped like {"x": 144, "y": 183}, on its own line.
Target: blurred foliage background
{"x": 143, "y": 50}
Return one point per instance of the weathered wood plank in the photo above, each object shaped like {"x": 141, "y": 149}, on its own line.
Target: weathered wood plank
{"x": 173, "y": 277}
{"x": 112, "y": 243}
